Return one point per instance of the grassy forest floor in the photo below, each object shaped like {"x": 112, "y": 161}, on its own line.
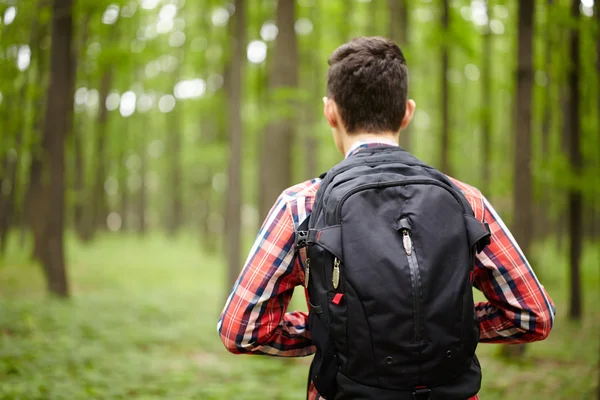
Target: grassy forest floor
{"x": 142, "y": 324}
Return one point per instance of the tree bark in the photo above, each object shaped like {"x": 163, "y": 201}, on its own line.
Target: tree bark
{"x": 522, "y": 192}
{"x": 486, "y": 101}
{"x": 234, "y": 170}
{"x": 276, "y": 172}
{"x": 575, "y": 202}
{"x": 398, "y": 32}
{"x": 59, "y": 109}
{"x": 445, "y": 160}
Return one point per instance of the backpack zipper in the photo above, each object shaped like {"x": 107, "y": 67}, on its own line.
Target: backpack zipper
{"x": 405, "y": 182}
{"x": 307, "y": 273}
{"x": 335, "y": 278}
{"x": 415, "y": 279}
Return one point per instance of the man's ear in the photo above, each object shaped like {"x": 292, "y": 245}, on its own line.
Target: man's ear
{"x": 408, "y": 115}
{"x": 331, "y": 113}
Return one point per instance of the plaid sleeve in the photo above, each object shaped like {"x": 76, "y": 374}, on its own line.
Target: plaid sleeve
{"x": 518, "y": 309}
{"x": 254, "y": 319}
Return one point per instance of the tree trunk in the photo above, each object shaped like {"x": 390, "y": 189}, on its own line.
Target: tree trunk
{"x": 486, "y": 104}
{"x": 347, "y": 20}
{"x": 234, "y": 170}
{"x": 543, "y": 221}
{"x": 596, "y": 233}
{"x": 143, "y": 192}
{"x": 81, "y": 198}
{"x": 80, "y": 195}
{"x": 175, "y": 211}
{"x": 98, "y": 209}
{"x": 7, "y": 200}
{"x": 58, "y": 112}
{"x": 34, "y": 215}
{"x": 522, "y": 192}
{"x": 310, "y": 140}
{"x": 398, "y": 32}
{"x": 276, "y": 172}
{"x": 575, "y": 197}
{"x": 445, "y": 161}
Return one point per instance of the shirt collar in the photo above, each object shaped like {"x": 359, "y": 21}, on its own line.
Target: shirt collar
{"x": 369, "y": 143}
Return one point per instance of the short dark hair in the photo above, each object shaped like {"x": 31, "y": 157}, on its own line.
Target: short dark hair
{"x": 368, "y": 80}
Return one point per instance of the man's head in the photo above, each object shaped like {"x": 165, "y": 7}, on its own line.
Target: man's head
{"x": 367, "y": 84}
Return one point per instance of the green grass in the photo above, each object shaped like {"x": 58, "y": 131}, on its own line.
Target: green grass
{"x": 142, "y": 324}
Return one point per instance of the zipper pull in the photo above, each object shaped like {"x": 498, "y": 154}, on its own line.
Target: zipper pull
{"x": 307, "y": 273}
{"x": 336, "y": 273}
{"x": 407, "y": 242}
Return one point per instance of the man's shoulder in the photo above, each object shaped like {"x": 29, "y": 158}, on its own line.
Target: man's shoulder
{"x": 466, "y": 189}
{"x": 473, "y": 196}
{"x": 303, "y": 189}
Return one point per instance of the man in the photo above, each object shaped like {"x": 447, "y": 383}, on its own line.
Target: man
{"x": 367, "y": 107}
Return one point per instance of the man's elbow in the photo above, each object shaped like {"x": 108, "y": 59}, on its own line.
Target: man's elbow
{"x": 544, "y": 320}
{"x": 228, "y": 340}
{"x": 235, "y": 344}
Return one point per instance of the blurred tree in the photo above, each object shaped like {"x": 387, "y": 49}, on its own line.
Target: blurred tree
{"x": 34, "y": 209}
{"x": 522, "y": 192}
{"x": 77, "y": 135}
{"x": 235, "y": 71}
{"x": 174, "y": 138}
{"x": 398, "y": 31}
{"x": 59, "y": 109}
{"x": 11, "y": 163}
{"x": 445, "y": 143}
{"x": 486, "y": 101}
{"x": 98, "y": 208}
{"x": 275, "y": 166}
{"x": 575, "y": 203}
{"x": 313, "y": 86}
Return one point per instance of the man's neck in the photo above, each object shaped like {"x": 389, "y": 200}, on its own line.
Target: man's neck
{"x": 349, "y": 141}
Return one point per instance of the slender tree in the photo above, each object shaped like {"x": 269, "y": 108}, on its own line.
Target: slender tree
{"x": 398, "y": 32}
{"x": 175, "y": 197}
{"x": 10, "y": 165}
{"x": 542, "y": 226}
{"x": 575, "y": 202}
{"x": 315, "y": 86}
{"x": 98, "y": 208}
{"x": 234, "y": 171}
{"x": 77, "y": 135}
{"x": 58, "y": 112}
{"x": 445, "y": 149}
{"x": 522, "y": 190}
{"x": 143, "y": 191}
{"x": 597, "y": 15}
{"x": 486, "y": 107}
{"x": 275, "y": 169}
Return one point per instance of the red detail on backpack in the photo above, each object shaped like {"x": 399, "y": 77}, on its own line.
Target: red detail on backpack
{"x": 471, "y": 277}
{"x": 337, "y": 298}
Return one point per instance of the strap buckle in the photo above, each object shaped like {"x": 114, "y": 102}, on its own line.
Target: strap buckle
{"x": 421, "y": 393}
{"x": 305, "y": 238}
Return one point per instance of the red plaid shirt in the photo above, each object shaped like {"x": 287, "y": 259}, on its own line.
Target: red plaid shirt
{"x": 255, "y": 320}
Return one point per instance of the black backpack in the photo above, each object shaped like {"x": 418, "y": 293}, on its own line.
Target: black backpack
{"x": 390, "y": 247}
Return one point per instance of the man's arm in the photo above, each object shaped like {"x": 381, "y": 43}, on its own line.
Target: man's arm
{"x": 254, "y": 319}
{"x": 518, "y": 309}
